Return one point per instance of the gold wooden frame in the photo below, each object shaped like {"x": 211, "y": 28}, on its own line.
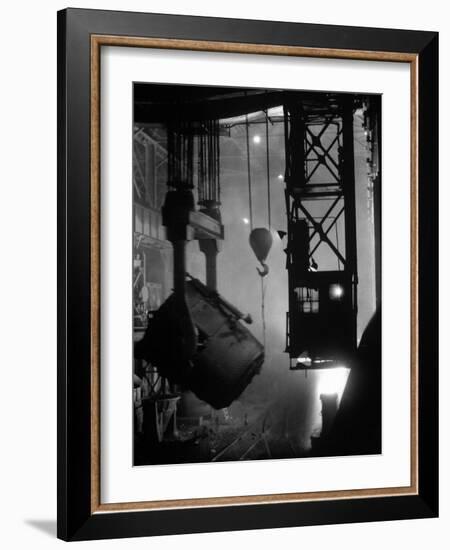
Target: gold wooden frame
{"x": 97, "y": 41}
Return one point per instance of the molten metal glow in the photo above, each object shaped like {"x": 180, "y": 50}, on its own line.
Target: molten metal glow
{"x": 333, "y": 380}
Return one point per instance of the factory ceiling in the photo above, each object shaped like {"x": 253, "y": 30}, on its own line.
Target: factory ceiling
{"x": 161, "y": 103}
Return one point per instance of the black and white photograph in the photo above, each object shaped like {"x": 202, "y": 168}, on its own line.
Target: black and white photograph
{"x": 256, "y": 274}
{"x": 225, "y": 288}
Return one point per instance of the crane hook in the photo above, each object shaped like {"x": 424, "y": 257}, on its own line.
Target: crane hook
{"x": 264, "y": 271}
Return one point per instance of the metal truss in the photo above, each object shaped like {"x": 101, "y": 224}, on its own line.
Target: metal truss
{"x": 320, "y": 194}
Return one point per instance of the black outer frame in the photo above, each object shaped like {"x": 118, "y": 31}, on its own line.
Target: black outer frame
{"x": 75, "y": 521}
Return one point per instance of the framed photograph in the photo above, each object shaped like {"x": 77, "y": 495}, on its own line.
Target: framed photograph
{"x": 247, "y": 254}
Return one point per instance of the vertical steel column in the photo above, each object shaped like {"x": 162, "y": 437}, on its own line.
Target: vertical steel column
{"x": 211, "y": 269}
{"x": 150, "y": 175}
{"x": 377, "y": 193}
{"x": 296, "y": 145}
{"x": 348, "y": 182}
{"x": 179, "y": 268}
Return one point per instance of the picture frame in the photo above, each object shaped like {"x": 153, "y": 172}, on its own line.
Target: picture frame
{"x": 81, "y": 35}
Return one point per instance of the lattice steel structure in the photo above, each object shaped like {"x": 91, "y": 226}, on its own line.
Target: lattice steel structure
{"x": 321, "y": 250}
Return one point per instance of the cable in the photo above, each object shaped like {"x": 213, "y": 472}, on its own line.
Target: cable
{"x": 249, "y": 175}
{"x": 268, "y": 171}
{"x": 263, "y": 317}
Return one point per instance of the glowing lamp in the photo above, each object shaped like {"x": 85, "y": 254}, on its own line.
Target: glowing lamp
{"x": 304, "y": 360}
{"x": 336, "y": 292}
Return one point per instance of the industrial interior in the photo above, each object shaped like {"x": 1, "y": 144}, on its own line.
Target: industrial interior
{"x": 256, "y": 274}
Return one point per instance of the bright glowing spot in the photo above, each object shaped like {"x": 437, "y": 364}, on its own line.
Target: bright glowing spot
{"x": 280, "y": 176}
{"x": 336, "y": 292}
{"x": 246, "y": 221}
{"x": 333, "y": 381}
{"x": 256, "y": 139}
{"x": 304, "y": 360}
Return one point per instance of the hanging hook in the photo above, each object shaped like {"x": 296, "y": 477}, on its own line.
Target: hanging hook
{"x": 264, "y": 271}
